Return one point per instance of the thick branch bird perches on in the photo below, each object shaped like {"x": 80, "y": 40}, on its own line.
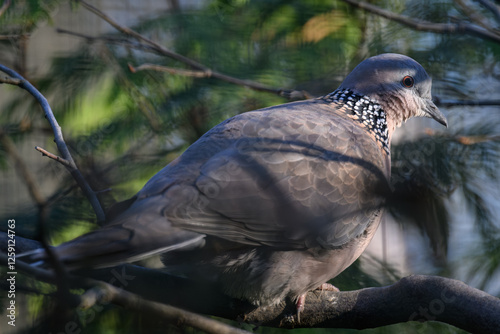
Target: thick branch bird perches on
{"x": 415, "y": 298}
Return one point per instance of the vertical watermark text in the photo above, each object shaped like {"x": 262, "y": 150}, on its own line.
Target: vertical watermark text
{"x": 11, "y": 273}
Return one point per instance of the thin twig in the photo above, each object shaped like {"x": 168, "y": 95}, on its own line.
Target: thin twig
{"x": 130, "y": 301}
{"x": 111, "y": 40}
{"x": 53, "y": 156}
{"x": 105, "y": 293}
{"x": 4, "y": 7}
{"x": 16, "y": 36}
{"x": 421, "y": 25}
{"x": 36, "y": 194}
{"x": 61, "y": 274}
{"x": 107, "y": 39}
{"x": 138, "y": 36}
{"x": 61, "y": 144}
{"x": 203, "y": 71}
{"x": 77, "y": 34}
{"x": 474, "y": 15}
{"x": 494, "y": 8}
{"x": 171, "y": 70}
{"x": 10, "y": 81}
{"x": 290, "y": 94}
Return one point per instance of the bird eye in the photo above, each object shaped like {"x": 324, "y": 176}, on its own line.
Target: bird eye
{"x": 408, "y": 81}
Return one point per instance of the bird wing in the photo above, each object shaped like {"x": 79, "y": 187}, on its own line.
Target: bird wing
{"x": 294, "y": 176}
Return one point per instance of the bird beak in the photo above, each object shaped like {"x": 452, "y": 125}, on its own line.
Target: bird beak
{"x": 432, "y": 111}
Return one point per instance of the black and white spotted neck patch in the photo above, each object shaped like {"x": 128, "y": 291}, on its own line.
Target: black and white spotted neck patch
{"x": 367, "y": 112}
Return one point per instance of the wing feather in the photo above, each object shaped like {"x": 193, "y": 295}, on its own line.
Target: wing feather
{"x": 290, "y": 176}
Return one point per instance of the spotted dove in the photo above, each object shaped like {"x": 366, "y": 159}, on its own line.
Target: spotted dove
{"x": 272, "y": 203}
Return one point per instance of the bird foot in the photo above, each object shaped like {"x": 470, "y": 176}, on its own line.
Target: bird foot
{"x": 301, "y": 301}
{"x": 328, "y": 287}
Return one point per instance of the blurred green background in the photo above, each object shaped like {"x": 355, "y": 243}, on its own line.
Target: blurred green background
{"x": 123, "y": 127}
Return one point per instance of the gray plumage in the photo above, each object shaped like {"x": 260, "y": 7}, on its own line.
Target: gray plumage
{"x": 274, "y": 202}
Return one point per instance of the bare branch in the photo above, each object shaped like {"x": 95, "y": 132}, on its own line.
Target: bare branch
{"x": 20, "y": 36}
{"x": 5, "y": 5}
{"x": 77, "y": 34}
{"x": 475, "y": 16}
{"x": 494, "y": 8}
{"x": 421, "y": 25}
{"x": 10, "y": 81}
{"x": 138, "y": 36}
{"x": 414, "y": 298}
{"x": 111, "y": 40}
{"x": 53, "y": 156}
{"x": 409, "y": 299}
{"x": 171, "y": 70}
{"x": 59, "y": 140}
{"x": 290, "y": 94}
{"x": 105, "y": 293}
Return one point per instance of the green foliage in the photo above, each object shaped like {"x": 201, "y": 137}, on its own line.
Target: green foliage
{"x": 23, "y": 16}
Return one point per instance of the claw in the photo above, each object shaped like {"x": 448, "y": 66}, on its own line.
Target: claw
{"x": 301, "y": 301}
{"x": 328, "y": 287}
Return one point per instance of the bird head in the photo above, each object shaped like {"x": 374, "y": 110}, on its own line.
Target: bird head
{"x": 399, "y": 84}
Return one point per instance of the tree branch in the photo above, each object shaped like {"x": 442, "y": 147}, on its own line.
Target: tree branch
{"x": 112, "y": 40}
{"x": 202, "y": 71}
{"x": 107, "y": 293}
{"x": 10, "y": 81}
{"x": 5, "y": 5}
{"x": 17, "y": 36}
{"x": 59, "y": 140}
{"x": 171, "y": 70}
{"x": 421, "y": 25}
{"x": 414, "y": 298}
{"x": 290, "y": 94}
{"x": 495, "y": 9}
{"x": 475, "y": 16}
{"x": 46, "y": 153}
{"x": 136, "y": 35}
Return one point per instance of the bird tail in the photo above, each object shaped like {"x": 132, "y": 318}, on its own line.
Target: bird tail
{"x": 111, "y": 246}
{"x": 132, "y": 236}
